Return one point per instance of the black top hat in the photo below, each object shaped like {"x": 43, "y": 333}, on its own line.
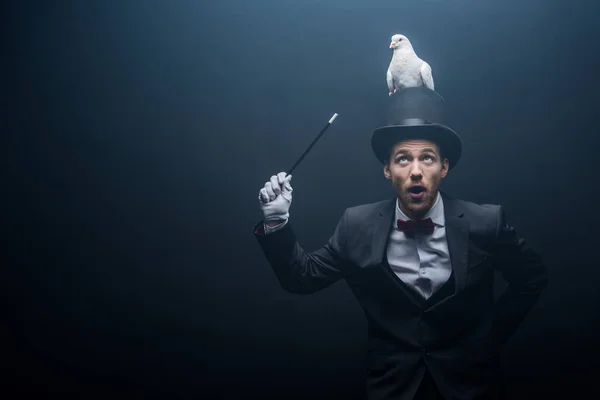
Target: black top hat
{"x": 416, "y": 113}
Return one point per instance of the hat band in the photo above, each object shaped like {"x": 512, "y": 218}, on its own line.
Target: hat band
{"x": 413, "y": 121}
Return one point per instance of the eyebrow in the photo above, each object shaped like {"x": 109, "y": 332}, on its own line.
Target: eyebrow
{"x": 425, "y": 150}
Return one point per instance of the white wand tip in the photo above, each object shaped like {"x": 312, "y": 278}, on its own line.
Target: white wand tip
{"x": 333, "y": 118}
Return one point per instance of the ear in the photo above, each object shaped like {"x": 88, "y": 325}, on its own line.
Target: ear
{"x": 445, "y": 167}
{"x": 386, "y": 171}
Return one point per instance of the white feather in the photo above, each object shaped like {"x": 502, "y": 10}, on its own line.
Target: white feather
{"x": 390, "y": 80}
{"x": 427, "y": 76}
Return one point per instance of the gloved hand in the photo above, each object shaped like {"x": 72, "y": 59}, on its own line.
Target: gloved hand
{"x": 276, "y": 197}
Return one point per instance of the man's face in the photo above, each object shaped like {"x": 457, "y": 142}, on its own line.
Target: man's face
{"x": 416, "y": 169}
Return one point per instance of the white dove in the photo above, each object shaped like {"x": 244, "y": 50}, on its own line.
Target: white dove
{"x": 406, "y": 68}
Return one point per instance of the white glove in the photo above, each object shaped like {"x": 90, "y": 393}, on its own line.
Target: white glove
{"x": 276, "y": 197}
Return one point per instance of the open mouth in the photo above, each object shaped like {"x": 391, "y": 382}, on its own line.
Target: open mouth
{"x": 416, "y": 189}
{"x": 416, "y": 192}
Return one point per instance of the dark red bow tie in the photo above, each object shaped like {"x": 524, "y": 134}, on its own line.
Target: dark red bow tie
{"x": 422, "y": 225}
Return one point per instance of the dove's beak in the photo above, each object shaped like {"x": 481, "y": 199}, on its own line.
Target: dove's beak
{"x": 392, "y": 45}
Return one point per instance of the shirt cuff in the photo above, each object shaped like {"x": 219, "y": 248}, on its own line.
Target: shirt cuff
{"x": 271, "y": 229}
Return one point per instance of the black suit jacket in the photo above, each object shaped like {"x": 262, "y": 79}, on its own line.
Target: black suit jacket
{"x": 457, "y": 333}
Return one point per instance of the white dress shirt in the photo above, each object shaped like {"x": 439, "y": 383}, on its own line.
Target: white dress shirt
{"x": 422, "y": 260}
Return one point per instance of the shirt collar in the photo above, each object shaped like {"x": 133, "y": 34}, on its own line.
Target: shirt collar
{"x": 436, "y": 212}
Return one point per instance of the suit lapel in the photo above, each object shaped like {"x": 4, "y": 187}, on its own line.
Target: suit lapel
{"x": 457, "y": 235}
{"x": 381, "y": 231}
{"x": 380, "y": 239}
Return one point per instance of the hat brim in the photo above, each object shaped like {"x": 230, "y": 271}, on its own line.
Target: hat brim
{"x": 384, "y": 138}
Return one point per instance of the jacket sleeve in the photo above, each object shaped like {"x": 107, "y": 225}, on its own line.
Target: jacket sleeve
{"x": 525, "y": 273}
{"x": 299, "y": 271}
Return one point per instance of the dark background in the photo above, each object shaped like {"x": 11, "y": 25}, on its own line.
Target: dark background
{"x": 136, "y": 135}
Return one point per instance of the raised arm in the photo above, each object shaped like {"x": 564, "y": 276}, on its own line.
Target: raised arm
{"x": 297, "y": 270}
